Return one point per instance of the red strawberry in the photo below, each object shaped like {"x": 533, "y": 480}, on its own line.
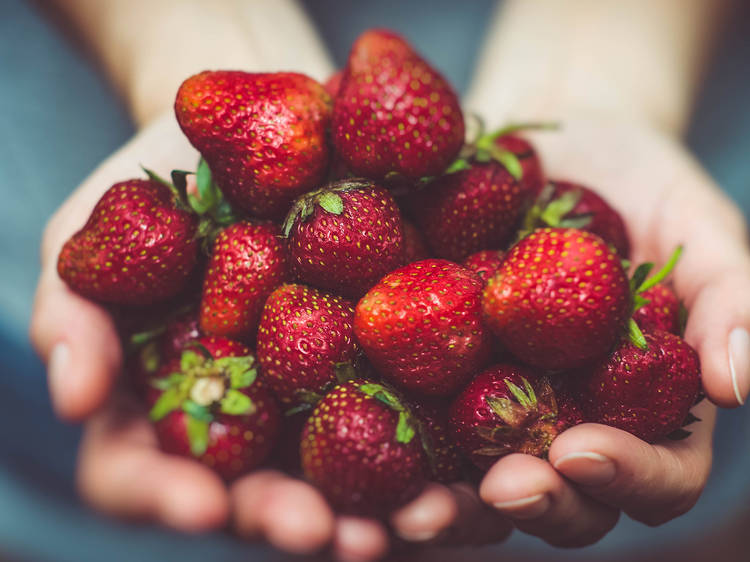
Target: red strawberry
{"x": 213, "y": 409}
{"x": 662, "y": 312}
{"x": 303, "y": 335}
{"x": 484, "y": 263}
{"x": 532, "y": 181}
{"x": 445, "y": 464}
{"x": 248, "y": 261}
{"x": 469, "y": 210}
{"x": 345, "y": 237}
{"x": 362, "y": 449}
{"x": 559, "y": 300}
{"x": 509, "y": 409}
{"x": 137, "y": 247}
{"x": 415, "y": 248}
{"x": 647, "y": 392}
{"x": 263, "y": 135}
{"x": 333, "y": 84}
{"x": 421, "y": 326}
{"x": 394, "y": 113}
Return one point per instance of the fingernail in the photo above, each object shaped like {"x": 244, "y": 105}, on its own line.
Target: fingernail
{"x": 525, "y": 508}
{"x": 57, "y": 367}
{"x": 739, "y": 363}
{"x": 589, "y": 469}
{"x": 416, "y": 536}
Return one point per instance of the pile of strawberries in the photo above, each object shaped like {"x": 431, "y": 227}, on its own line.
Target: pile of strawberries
{"x": 349, "y": 289}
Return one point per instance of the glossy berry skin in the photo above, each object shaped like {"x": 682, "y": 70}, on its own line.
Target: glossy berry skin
{"x": 484, "y": 263}
{"x": 559, "y": 300}
{"x": 662, "y": 312}
{"x": 470, "y": 210}
{"x": 421, "y": 326}
{"x": 645, "y": 392}
{"x": 533, "y": 178}
{"x": 263, "y": 135}
{"x": 248, "y": 261}
{"x": 237, "y": 443}
{"x": 394, "y": 113}
{"x": 303, "y": 334}
{"x": 605, "y": 220}
{"x": 348, "y": 253}
{"x": 415, "y": 248}
{"x": 487, "y": 430}
{"x": 349, "y": 450}
{"x": 136, "y": 248}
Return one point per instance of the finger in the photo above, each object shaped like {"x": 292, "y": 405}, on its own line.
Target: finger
{"x": 289, "y": 513}
{"x": 541, "y": 502}
{"x": 475, "y": 523}
{"x": 427, "y": 515}
{"x": 651, "y": 483}
{"x": 78, "y": 341}
{"x": 121, "y": 471}
{"x": 357, "y": 538}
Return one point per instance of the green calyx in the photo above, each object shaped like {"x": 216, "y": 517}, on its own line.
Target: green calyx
{"x": 555, "y": 213}
{"x": 203, "y": 388}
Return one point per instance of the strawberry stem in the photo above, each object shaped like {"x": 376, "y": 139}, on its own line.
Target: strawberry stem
{"x": 636, "y": 336}
{"x": 660, "y": 275}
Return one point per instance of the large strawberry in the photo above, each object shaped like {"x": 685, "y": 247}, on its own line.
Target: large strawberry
{"x": 263, "y": 135}
{"x": 421, "y": 326}
{"x": 213, "y": 409}
{"x": 345, "y": 236}
{"x": 137, "y": 247}
{"x": 559, "y": 300}
{"x": 248, "y": 261}
{"x": 394, "y": 113}
{"x": 361, "y": 447}
{"x": 647, "y": 392}
{"x": 509, "y": 409}
{"x": 484, "y": 263}
{"x": 303, "y": 337}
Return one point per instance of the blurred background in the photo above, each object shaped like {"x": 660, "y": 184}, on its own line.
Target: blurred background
{"x": 60, "y": 118}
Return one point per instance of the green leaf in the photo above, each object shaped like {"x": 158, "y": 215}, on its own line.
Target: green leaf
{"x": 640, "y": 275}
{"x": 660, "y": 275}
{"x": 236, "y": 403}
{"x": 636, "y": 336}
{"x": 240, "y": 370}
{"x": 457, "y": 166}
{"x": 173, "y": 380}
{"x": 179, "y": 180}
{"x": 527, "y": 126}
{"x": 404, "y": 430}
{"x": 198, "y": 205}
{"x": 511, "y": 413}
{"x": 141, "y": 338}
{"x": 307, "y": 397}
{"x": 168, "y": 402}
{"x": 577, "y": 221}
{"x": 189, "y": 360}
{"x": 197, "y": 411}
{"x": 204, "y": 180}
{"x": 200, "y": 348}
{"x": 639, "y": 301}
{"x": 554, "y": 212}
{"x": 197, "y": 432}
{"x": 150, "y": 357}
{"x": 529, "y": 391}
{"x": 331, "y": 202}
{"x": 297, "y": 409}
{"x": 381, "y": 393}
{"x": 519, "y": 395}
{"x": 345, "y": 371}
{"x": 510, "y": 161}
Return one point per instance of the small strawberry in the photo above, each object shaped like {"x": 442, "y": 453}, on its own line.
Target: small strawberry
{"x": 415, "y": 248}
{"x": 559, "y": 300}
{"x": 263, "y": 135}
{"x": 137, "y": 247}
{"x": 532, "y": 179}
{"x": 361, "y": 447}
{"x": 248, "y": 261}
{"x": 303, "y": 335}
{"x": 647, "y": 392}
{"x": 421, "y": 326}
{"x": 484, "y": 263}
{"x": 345, "y": 237}
{"x": 509, "y": 409}
{"x": 213, "y": 409}
{"x": 662, "y": 311}
{"x": 394, "y": 113}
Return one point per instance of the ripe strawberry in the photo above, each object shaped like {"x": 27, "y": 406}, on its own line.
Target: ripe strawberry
{"x": 137, "y": 247}
{"x": 415, "y": 248}
{"x": 394, "y": 113}
{"x": 362, "y": 449}
{"x": 345, "y": 237}
{"x": 484, "y": 263}
{"x": 333, "y": 84}
{"x": 470, "y": 210}
{"x": 213, "y": 409}
{"x": 662, "y": 312}
{"x": 263, "y": 135}
{"x": 248, "y": 261}
{"x": 303, "y": 335}
{"x": 421, "y": 326}
{"x": 443, "y": 453}
{"x": 559, "y": 300}
{"x": 647, "y": 392}
{"x": 532, "y": 181}
{"x": 509, "y": 409}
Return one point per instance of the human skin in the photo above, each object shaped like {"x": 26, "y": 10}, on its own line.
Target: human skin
{"x": 623, "y": 141}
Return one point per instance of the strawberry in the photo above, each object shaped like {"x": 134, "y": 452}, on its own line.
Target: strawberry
{"x": 345, "y": 237}
{"x": 213, "y": 409}
{"x": 661, "y": 312}
{"x": 415, "y": 248}
{"x": 532, "y": 180}
{"x": 361, "y": 448}
{"x": 509, "y": 409}
{"x": 304, "y": 334}
{"x": 484, "y": 263}
{"x": 559, "y": 300}
{"x": 445, "y": 465}
{"x": 138, "y": 246}
{"x": 333, "y": 84}
{"x": 262, "y": 135}
{"x": 248, "y": 261}
{"x": 421, "y": 326}
{"x": 394, "y": 113}
{"x": 647, "y": 392}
